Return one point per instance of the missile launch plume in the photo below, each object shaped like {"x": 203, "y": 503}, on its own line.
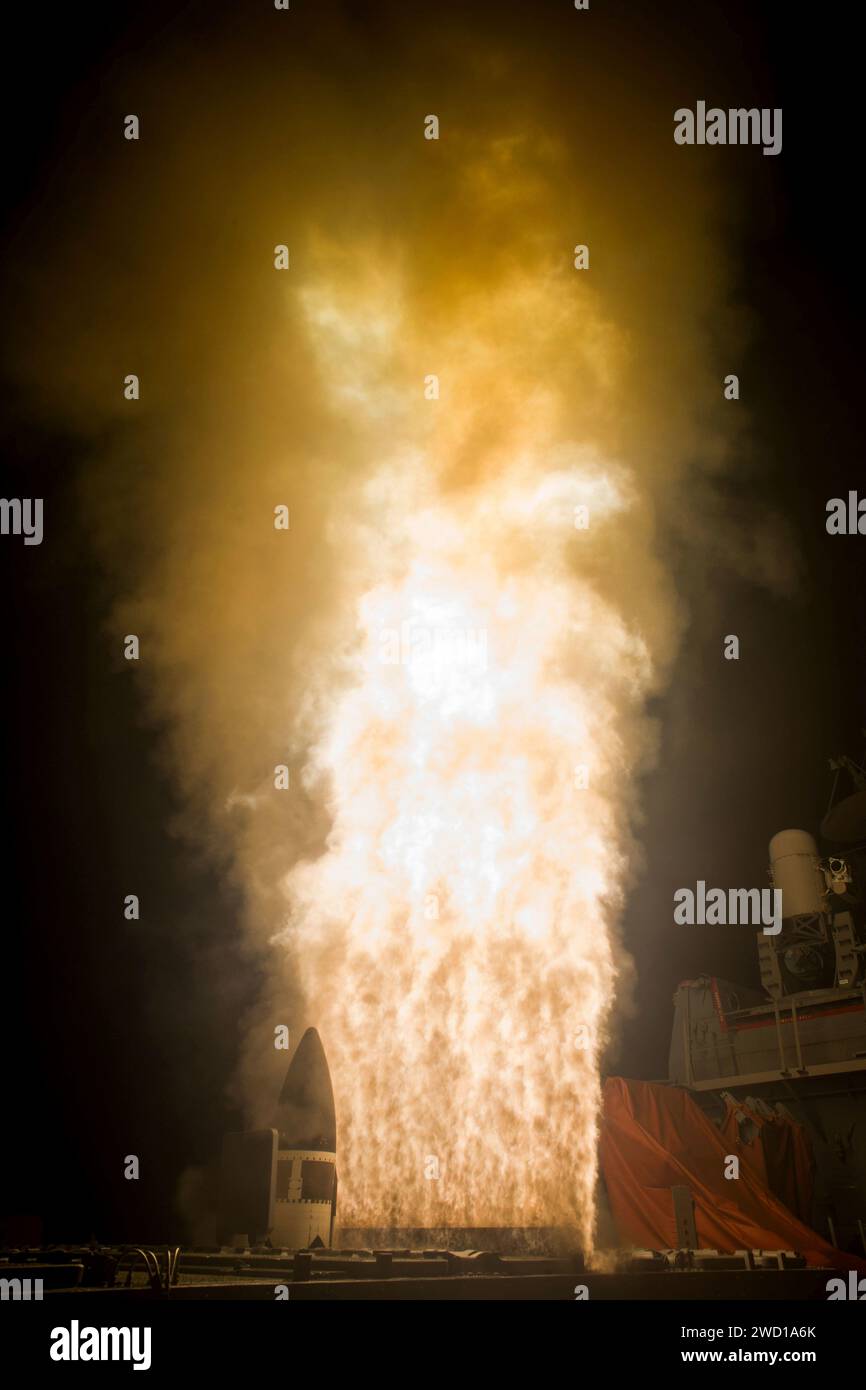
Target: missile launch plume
{"x": 486, "y": 457}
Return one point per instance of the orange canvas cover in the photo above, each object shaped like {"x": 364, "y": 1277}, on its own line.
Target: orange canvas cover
{"x": 656, "y": 1137}
{"x": 780, "y": 1153}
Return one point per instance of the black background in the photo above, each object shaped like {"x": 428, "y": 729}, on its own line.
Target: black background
{"x": 113, "y": 1044}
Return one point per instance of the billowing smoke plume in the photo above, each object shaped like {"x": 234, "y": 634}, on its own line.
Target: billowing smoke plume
{"x": 452, "y": 646}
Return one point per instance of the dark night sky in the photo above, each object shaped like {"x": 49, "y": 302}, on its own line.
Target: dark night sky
{"x": 110, "y": 1046}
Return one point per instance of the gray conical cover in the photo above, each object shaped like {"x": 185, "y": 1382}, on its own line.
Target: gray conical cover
{"x": 305, "y": 1116}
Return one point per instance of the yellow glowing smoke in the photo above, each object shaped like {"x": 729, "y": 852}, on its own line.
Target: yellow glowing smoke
{"x": 434, "y": 647}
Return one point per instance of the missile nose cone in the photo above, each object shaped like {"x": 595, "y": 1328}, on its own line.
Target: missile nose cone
{"x": 305, "y": 1116}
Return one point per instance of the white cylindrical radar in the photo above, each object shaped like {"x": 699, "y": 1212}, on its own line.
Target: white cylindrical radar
{"x": 795, "y": 864}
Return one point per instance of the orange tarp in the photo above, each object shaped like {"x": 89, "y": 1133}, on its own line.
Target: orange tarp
{"x": 654, "y": 1138}
{"x": 780, "y": 1154}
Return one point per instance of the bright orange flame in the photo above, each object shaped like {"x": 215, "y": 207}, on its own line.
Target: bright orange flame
{"x": 454, "y": 938}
